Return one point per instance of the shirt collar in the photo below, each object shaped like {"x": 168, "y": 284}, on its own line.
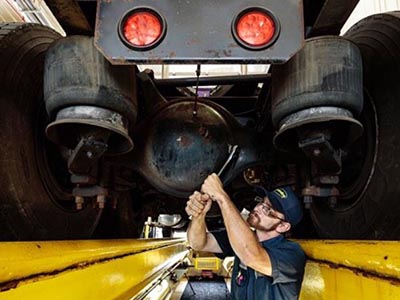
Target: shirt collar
{"x": 274, "y": 241}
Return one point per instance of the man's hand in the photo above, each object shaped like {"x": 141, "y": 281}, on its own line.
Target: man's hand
{"x": 198, "y": 204}
{"x": 213, "y": 187}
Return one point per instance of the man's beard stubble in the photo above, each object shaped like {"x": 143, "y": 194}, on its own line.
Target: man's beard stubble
{"x": 255, "y": 222}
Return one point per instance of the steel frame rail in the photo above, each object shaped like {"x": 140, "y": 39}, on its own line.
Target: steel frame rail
{"x": 102, "y": 269}
{"x": 128, "y": 269}
{"x": 368, "y": 270}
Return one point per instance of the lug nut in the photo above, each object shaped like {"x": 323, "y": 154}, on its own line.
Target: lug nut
{"x": 317, "y": 152}
{"x": 114, "y": 203}
{"x": 101, "y": 201}
{"x": 332, "y": 202}
{"x": 79, "y": 201}
{"x": 307, "y": 201}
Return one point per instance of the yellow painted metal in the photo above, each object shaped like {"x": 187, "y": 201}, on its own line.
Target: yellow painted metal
{"x": 123, "y": 268}
{"x": 23, "y": 259}
{"x": 381, "y": 257}
{"x": 207, "y": 263}
{"x": 323, "y": 282}
{"x": 337, "y": 270}
{"x": 100, "y": 269}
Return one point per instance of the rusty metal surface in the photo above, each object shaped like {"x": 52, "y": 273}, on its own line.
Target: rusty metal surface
{"x": 197, "y": 33}
{"x": 176, "y": 150}
{"x": 319, "y": 191}
{"x": 70, "y": 16}
{"x": 381, "y": 258}
{"x": 324, "y": 281}
{"x": 214, "y": 80}
{"x": 26, "y": 259}
{"x": 103, "y": 269}
{"x": 75, "y": 122}
{"x": 336, "y": 269}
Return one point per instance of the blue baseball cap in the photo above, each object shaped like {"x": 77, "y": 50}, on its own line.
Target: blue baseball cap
{"x": 285, "y": 201}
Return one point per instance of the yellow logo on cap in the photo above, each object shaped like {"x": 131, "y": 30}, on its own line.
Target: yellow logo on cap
{"x": 281, "y": 193}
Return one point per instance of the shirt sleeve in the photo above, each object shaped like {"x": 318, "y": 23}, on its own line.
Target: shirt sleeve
{"x": 287, "y": 264}
{"x": 222, "y": 239}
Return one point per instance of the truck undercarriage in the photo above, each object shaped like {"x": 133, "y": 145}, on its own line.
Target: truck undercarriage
{"x": 93, "y": 145}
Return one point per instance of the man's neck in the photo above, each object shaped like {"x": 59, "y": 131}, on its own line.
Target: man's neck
{"x": 263, "y": 235}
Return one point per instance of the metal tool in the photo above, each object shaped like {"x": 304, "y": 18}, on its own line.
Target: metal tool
{"x": 234, "y": 150}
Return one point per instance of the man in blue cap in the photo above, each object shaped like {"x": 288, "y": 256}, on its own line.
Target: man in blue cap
{"x": 267, "y": 266}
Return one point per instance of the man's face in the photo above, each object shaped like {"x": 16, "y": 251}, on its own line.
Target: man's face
{"x": 264, "y": 216}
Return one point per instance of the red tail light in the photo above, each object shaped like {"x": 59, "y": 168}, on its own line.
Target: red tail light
{"x": 255, "y": 28}
{"x": 142, "y": 28}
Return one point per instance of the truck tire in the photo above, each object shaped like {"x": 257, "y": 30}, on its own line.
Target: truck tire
{"x": 370, "y": 182}
{"x": 35, "y": 202}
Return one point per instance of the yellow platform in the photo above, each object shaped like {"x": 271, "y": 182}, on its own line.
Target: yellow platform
{"x": 125, "y": 269}
{"x": 106, "y": 269}
{"x": 347, "y": 270}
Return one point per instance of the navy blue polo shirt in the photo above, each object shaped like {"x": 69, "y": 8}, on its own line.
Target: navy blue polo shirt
{"x": 288, "y": 261}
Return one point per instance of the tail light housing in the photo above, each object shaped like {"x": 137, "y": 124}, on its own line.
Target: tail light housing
{"x": 255, "y": 28}
{"x": 142, "y": 28}
{"x": 205, "y": 31}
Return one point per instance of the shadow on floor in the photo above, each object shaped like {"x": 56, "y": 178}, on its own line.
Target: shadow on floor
{"x": 206, "y": 289}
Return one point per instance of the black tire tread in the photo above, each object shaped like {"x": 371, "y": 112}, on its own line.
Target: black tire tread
{"x": 375, "y": 214}
{"x": 27, "y": 210}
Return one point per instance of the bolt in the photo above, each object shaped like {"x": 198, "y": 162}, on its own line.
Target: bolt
{"x": 332, "y": 202}
{"x": 79, "y": 201}
{"x": 114, "y": 203}
{"x": 101, "y": 201}
{"x": 307, "y": 201}
{"x": 251, "y": 174}
{"x": 203, "y": 131}
{"x": 316, "y": 152}
{"x": 89, "y": 154}
{"x": 174, "y": 277}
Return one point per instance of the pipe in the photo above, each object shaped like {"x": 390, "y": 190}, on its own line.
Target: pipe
{"x": 215, "y": 80}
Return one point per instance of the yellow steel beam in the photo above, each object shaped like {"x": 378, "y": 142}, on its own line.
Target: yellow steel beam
{"x": 23, "y": 259}
{"x": 323, "y": 282}
{"x": 380, "y": 257}
{"x": 123, "y": 268}
{"x": 367, "y": 270}
{"x": 84, "y": 269}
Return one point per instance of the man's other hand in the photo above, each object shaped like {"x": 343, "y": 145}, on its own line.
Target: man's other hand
{"x": 213, "y": 187}
{"x": 198, "y": 204}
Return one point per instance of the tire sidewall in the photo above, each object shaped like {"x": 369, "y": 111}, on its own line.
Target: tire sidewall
{"x": 28, "y": 208}
{"x": 374, "y": 213}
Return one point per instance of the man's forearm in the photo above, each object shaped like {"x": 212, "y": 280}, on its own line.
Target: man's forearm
{"x": 241, "y": 237}
{"x": 197, "y": 233}
{"x": 244, "y": 243}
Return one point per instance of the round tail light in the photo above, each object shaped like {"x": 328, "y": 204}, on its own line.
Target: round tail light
{"x": 255, "y": 28}
{"x": 142, "y": 28}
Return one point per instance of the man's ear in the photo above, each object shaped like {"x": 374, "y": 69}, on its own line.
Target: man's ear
{"x": 283, "y": 227}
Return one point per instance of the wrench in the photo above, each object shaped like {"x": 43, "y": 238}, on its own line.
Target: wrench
{"x": 233, "y": 151}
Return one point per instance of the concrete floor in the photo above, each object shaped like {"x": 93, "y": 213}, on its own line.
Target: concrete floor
{"x": 183, "y": 285}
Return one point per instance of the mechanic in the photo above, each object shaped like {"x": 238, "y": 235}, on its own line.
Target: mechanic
{"x": 266, "y": 265}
